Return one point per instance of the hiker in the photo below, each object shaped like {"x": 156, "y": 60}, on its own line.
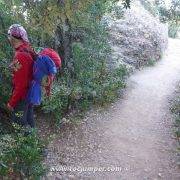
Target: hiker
{"x": 22, "y": 67}
{"x": 29, "y": 69}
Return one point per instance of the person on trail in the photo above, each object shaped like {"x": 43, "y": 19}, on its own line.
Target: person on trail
{"x": 29, "y": 69}
{"x": 22, "y": 68}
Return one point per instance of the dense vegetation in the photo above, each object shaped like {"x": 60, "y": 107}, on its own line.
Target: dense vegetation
{"x": 167, "y": 13}
{"x": 175, "y": 109}
{"x": 21, "y": 156}
{"x": 75, "y": 30}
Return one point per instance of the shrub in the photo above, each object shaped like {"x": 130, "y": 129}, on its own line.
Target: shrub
{"x": 173, "y": 30}
{"x": 76, "y": 32}
{"x": 5, "y": 76}
{"x": 89, "y": 81}
{"x": 84, "y": 94}
{"x": 175, "y": 109}
{"x": 5, "y": 82}
{"x": 151, "y": 62}
{"x": 21, "y": 156}
{"x": 150, "y": 7}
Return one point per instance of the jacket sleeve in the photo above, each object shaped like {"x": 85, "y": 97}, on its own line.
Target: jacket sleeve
{"x": 20, "y": 80}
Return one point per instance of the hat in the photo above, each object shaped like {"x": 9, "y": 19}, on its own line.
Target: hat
{"x": 18, "y": 31}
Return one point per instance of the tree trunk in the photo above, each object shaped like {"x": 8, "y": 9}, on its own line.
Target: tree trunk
{"x": 65, "y": 39}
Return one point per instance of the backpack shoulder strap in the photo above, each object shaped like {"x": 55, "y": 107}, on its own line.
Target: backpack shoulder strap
{"x": 31, "y": 52}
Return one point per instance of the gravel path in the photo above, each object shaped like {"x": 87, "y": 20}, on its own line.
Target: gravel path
{"x": 133, "y": 138}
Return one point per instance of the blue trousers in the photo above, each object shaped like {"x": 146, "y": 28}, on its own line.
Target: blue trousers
{"x": 23, "y": 114}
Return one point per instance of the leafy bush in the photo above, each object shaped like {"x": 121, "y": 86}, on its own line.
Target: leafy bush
{"x": 151, "y": 62}
{"x": 175, "y": 109}
{"x": 173, "y": 30}
{"x": 118, "y": 12}
{"x": 21, "y": 156}
{"x": 84, "y": 94}
{"x": 90, "y": 81}
{"x": 74, "y": 29}
{"x": 5, "y": 55}
{"x": 149, "y": 6}
{"x": 165, "y": 14}
{"x": 5, "y": 82}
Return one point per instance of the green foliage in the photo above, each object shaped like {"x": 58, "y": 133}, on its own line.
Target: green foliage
{"x": 118, "y": 11}
{"x": 174, "y": 24}
{"x": 4, "y": 82}
{"x": 151, "y": 62}
{"x": 74, "y": 29}
{"x": 91, "y": 82}
{"x": 175, "y": 9}
{"x": 85, "y": 79}
{"x": 21, "y": 156}
{"x": 173, "y": 30}
{"x": 85, "y": 93}
{"x": 5, "y": 54}
{"x": 157, "y": 8}
{"x": 149, "y": 6}
{"x": 175, "y": 109}
{"x": 170, "y": 15}
{"x": 57, "y": 103}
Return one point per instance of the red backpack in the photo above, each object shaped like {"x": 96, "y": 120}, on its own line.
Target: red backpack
{"x": 53, "y": 55}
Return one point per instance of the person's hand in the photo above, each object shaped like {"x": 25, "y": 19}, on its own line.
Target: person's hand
{"x": 10, "y": 108}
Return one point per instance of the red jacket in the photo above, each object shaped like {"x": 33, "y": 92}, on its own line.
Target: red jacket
{"x": 22, "y": 67}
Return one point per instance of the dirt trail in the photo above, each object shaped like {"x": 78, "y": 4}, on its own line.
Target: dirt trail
{"x": 134, "y": 134}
